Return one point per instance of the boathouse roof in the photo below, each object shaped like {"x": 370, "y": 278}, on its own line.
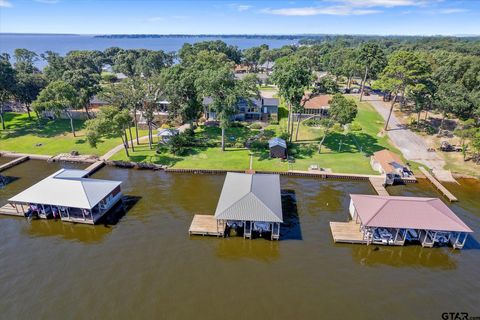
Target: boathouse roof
{"x": 250, "y": 197}
{"x": 67, "y": 188}
{"x": 407, "y": 212}
{"x": 388, "y": 160}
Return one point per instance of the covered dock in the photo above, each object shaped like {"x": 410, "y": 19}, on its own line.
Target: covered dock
{"x": 249, "y": 203}
{"x": 67, "y": 195}
{"x": 392, "y": 220}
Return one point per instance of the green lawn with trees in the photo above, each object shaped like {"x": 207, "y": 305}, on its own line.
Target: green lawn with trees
{"x": 49, "y": 137}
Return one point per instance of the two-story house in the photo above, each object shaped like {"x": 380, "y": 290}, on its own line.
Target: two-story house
{"x": 262, "y": 109}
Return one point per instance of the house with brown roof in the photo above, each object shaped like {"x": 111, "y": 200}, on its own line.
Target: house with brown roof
{"x": 317, "y": 105}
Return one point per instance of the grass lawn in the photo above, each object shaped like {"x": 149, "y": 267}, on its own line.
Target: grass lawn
{"x": 341, "y": 152}
{"x": 48, "y": 137}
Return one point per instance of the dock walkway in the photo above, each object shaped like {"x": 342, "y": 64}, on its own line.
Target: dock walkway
{"x": 10, "y": 210}
{"x": 348, "y": 232}
{"x": 438, "y": 185}
{"x": 378, "y": 185}
{"x": 94, "y": 167}
{"x": 206, "y": 225}
{"x": 13, "y": 163}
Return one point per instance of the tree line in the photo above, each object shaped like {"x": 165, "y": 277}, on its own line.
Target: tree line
{"x": 424, "y": 71}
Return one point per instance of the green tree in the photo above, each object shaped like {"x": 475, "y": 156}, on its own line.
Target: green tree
{"x": 293, "y": 77}
{"x": 452, "y": 98}
{"x": 372, "y": 58}
{"x": 7, "y": 83}
{"x": 404, "y": 69}
{"x": 28, "y": 87}
{"x": 56, "y": 98}
{"x": 111, "y": 122}
{"x": 342, "y": 111}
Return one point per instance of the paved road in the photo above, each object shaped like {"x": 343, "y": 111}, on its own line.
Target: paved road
{"x": 412, "y": 145}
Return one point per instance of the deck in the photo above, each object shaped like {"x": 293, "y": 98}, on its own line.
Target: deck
{"x": 206, "y": 225}
{"x": 347, "y": 232}
{"x": 378, "y": 185}
{"x": 438, "y": 185}
{"x": 10, "y": 210}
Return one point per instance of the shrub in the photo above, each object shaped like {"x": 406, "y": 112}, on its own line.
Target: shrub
{"x": 109, "y": 77}
{"x": 165, "y": 126}
{"x": 258, "y": 145}
{"x": 202, "y": 120}
{"x": 274, "y": 122}
{"x": 256, "y": 126}
{"x": 190, "y": 132}
{"x": 337, "y": 127}
{"x": 312, "y": 123}
{"x": 239, "y": 145}
{"x": 355, "y": 126}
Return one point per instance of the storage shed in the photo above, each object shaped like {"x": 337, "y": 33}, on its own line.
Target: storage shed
{"x": 278, "y": 148}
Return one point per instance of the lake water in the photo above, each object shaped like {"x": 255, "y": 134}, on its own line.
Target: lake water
{"x": 147, "y": 266}
{"x": 65, "y": 43}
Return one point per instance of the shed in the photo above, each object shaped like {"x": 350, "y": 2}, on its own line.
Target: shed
{"x": 251, "y": 201}
{"x": 278, "y": 148}
{"x": 71, "y": 196}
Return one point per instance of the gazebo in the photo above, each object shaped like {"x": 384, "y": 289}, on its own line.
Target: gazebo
{"x": 252, "y": 202}
{"x": 68, "y": 195}
{"x": 166, "y": 134}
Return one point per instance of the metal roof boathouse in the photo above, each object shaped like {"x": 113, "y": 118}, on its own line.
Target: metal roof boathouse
{"x": 249, "y": 202}
{"x": 393, "y": 220}
{"x": 67, "y": 195}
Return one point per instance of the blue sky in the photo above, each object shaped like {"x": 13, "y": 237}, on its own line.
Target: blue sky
{"x": 409, "y": 17}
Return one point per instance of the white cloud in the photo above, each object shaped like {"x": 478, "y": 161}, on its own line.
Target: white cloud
{"x": 240, "y": 7}
{"x": 314, "y": 11}
{"x": 154, "y": 19}
{"x": 5, "y": 4}
{"x": 451, "y": 10}
{"x": 48, "y": 1}
{"x": 386, "y": 3}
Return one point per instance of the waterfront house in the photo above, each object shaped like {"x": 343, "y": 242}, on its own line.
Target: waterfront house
{"x": 248, "y": 203}
{"x": 262, "y": 109}
{"x": 67, "y": 194}
{"x": 393, "y": 220}
{"x": 266, "y": 67}
{"x": 316, "y": 106}
{"x": 390, "y": 164}
{"x": 277, "y": 147}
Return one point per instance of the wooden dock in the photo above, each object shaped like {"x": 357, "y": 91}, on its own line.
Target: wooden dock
{"x": 378, "y": 185}
{"x": 348, "y": 232}
{"x": 438, "y": 185}
{"x": 13, "y": 163}
{"x": 10, "y": 210}
{"x": 94, "y": 167}
{"x": 206, "y": 225}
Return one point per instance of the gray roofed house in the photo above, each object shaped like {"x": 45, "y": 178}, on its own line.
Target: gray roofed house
{"x": 252, "y": 109}
{"x": 252, "y": 199}
{"x": 278, "y": 148}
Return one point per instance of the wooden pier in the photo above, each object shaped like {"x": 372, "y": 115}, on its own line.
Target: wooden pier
{"x": 207, "y": 225}
{"x": 94, "y": 167}
{"x": 348, "y": 232}
{"x": 438, "y": 185}
{"x": 379, "y": 185}
{"x": 13, "y": 163}
{"x": 11, "y": 210}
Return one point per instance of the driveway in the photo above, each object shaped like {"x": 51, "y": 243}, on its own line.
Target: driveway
{"x": 412, "y": 146}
